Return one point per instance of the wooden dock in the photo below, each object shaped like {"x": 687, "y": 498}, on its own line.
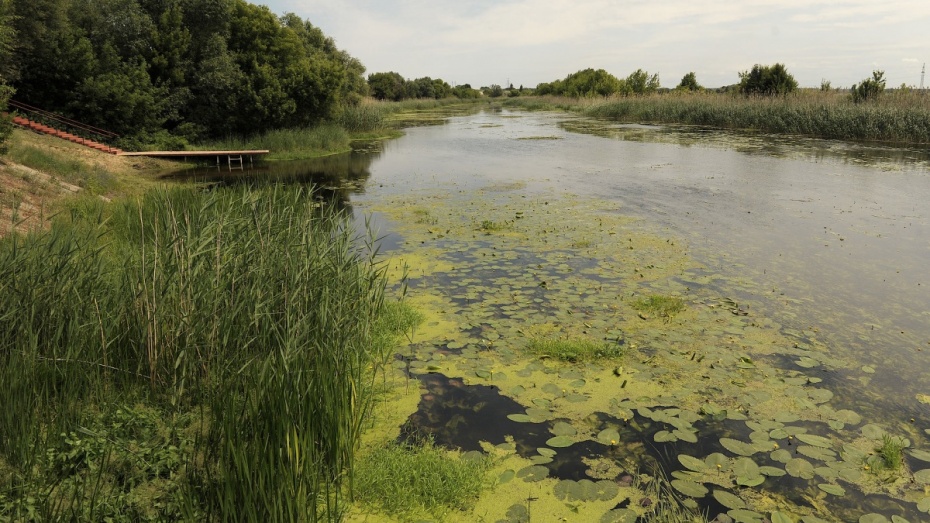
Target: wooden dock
{"x": 233, "y": 158}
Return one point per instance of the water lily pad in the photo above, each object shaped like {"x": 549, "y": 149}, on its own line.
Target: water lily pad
{"x": 868, "y": 369}
{"x": 741, "y": 515}
{"x": 778, "y": 434}
{"x": 533, "y": 473}
{"x": 622, "y": 515}
{"x": 873, "y": 431}
{"x": 542, "y": 403}
{"x": 608, "y": 437}
{"x": 820, "y": 395}
{"x": 817, "y": 441}
{"x": 717, "y": 461}
{"x": 560, "y": 441}
{"x": 729, "y": 500}
{"x": 923, "y": 398}
{"x": 781, "y": 517}
{"x": 922, "y": 476}
{"x": 817, "y": 453}
{"x": 830, "y": 488}
{"x": 848, "y": 417}
{"x": 689, "y": 436}
{"x": 745, "y": 467}
{"x": 519, "y": 418}
{"x": 898, "y": 519}
{"x": 800, "y": 468}
{"x": 692, "y": 463}
{"x": 561, "y": 428}
{"x": 690, "y": 488}
{"x": 483, "y": 374}
{"x": 606, "y": 490}
{"x": 772, "y": 472}
{"x": 664, "y": 436}
{"x": 781, "y": 456}
{"x": 545, "y": 451}
{"x": 873, "y": 518}
{"x": 786, "y": 417}
{"x": 506, "y": 476}
{"x": 922, "y": 455}
{"x": 924, "y": 504}
{"x": 738, "y": 447}
{"x": 576, "y": 398}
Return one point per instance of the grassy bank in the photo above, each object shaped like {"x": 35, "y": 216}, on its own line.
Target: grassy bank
{"x": 188, "y": 355}
{"x": 370, "y": 120}
{"x": 896, "y": 117}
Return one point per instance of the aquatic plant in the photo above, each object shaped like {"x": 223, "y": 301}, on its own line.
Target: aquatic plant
{"x": 418, "y": 480}
{"x": 888, "y": 456}
{"x": 248, "y": 322}
{"x": 575, "y": 350}
{"x": 657, "y": 305}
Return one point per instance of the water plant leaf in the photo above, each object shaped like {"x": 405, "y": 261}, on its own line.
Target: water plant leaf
{"x": 778, "y": 434}
{"x": 738, "y": 447}
{"x": 898, "y": 519}
{"x": 561, "y": 428}
{"x": 746, "y": 467}
{"x": 741, "y": 515}
{"x": 800, "y": 468}
{"x": 533, "y": 473}
{"x": 848, "y": 417}
{"x": 817, "y": 441}
{"x": 772, "y": 472}
{"x": 830, "y": 488}
{"x": 820, "y": 395}
{"x": 729, "y": 500}
{"x": 873, "y": 431}
{"x": 922, "y": 476}
{"x": 717, "y": 461}
{"x": 781, "y": 517}
{"x": 560, "y": 441}
{"x": 506, "y": 476}
{"x": 519, "y": 418}
{"x": 545, "y": 451}
{"x": 622, "y": 515}
{"x": 873, "y": 518}
{"x": 608, "y": 437}
{"x": 483, "y": 374}
{"x": 816, "y": 453}
{"x": 924, "y": 504}
{"x": 922, "y": 455}
{"x": 606, "y": 490}
{"x": 692, "y": 463}
{"x": 690, "y": 488}
{"x": 750, "y": 481}
{"x": 664, "y": 436}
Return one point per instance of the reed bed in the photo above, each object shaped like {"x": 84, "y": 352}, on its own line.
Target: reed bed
{"x": 188, "y": 355}
{"x": 895, "y": 117}
{"x": 285, "y": 144}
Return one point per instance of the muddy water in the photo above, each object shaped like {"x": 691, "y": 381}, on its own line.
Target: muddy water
{"x": 802, "y": 267}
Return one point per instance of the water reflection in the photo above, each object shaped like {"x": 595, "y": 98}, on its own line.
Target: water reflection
{"x": 337, "y": 177}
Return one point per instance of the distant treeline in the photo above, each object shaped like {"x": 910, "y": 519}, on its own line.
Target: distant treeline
{"x": 153, "y": 69}
{"x": 393, "y": 86}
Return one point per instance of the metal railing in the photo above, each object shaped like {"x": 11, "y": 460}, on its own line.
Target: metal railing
{"x": 62, "y": 123}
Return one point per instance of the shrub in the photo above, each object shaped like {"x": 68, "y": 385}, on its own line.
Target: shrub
{"x": 870, "y": 88}
{"x": 767, "y": 81}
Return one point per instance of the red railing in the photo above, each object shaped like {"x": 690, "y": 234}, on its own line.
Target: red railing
{"x": 62, "y": 123}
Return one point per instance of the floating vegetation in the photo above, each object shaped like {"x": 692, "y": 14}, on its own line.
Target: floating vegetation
{"x": 492, "y": 226}
{"x": 414, "y": 481}
{"x": 889, "y": 456}
{"x": 540, "y": 138}
{"x": 575, "y": 350}
{"x": 658, "y": 306}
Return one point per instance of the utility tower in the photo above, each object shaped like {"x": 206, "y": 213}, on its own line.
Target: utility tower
{"x": 922, "y": 71}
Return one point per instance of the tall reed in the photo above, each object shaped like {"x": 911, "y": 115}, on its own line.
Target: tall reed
{"x": 898, "y": 117}
{"x": 252, "y": 311}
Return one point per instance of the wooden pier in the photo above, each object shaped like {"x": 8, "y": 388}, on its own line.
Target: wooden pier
{"x": 234, "y": 159}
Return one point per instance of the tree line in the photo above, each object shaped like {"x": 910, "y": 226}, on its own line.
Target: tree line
{"x": 392, "y": 86}
{"x": 162, "y": 70}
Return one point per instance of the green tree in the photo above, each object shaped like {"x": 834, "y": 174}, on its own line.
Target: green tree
{"x": 641, "y": 82}
{"x": 870, "y": 88}
{"x": 495, "y": 91}
{"x": 767, "y": 81}
{"x": 689, "y": 83}
{"x": 387, "y": 86}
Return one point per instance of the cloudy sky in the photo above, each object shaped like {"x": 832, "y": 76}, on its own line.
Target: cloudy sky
{"x": 484, "y": 42}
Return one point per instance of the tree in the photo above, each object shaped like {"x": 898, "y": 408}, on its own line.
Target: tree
{"x": 870, "y": 88}
{"x": 689, "y": 83}
{"x": 386, "y": 86}
{"x": 495, "y": 91}
{"x": 767, "y": 81}
{"x": 640, "y": 82}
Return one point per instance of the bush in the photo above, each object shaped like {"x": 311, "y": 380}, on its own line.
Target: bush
{"x": 767, "y": 81}
{"x": 870, "y": 88}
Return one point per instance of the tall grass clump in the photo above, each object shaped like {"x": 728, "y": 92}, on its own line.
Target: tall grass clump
{"x": 421, "y": 480}
{"x": 899, "y": 117}
{"x": 246, "y": 321}
{"x": 286, "y": 144}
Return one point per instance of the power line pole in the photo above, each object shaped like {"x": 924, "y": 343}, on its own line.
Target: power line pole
{"x": 922, "y": 71}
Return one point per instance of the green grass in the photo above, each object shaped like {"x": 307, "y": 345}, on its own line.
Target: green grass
{"x": 575, "y": 350}
{"x": 897, "y": 117}
{"x": 490, "y": 226}
{"x": 413, "y": 482}
{"x": 288, "y": 144}
{"x": 657, "y": 305}
{"x": 189, "y": 355}
{"x": 888, "y": 457}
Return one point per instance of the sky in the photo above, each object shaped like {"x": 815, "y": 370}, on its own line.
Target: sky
{"x": 525, "y": 42}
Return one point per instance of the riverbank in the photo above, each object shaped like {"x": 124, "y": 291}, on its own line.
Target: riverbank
{"x": 896, "y": 118}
